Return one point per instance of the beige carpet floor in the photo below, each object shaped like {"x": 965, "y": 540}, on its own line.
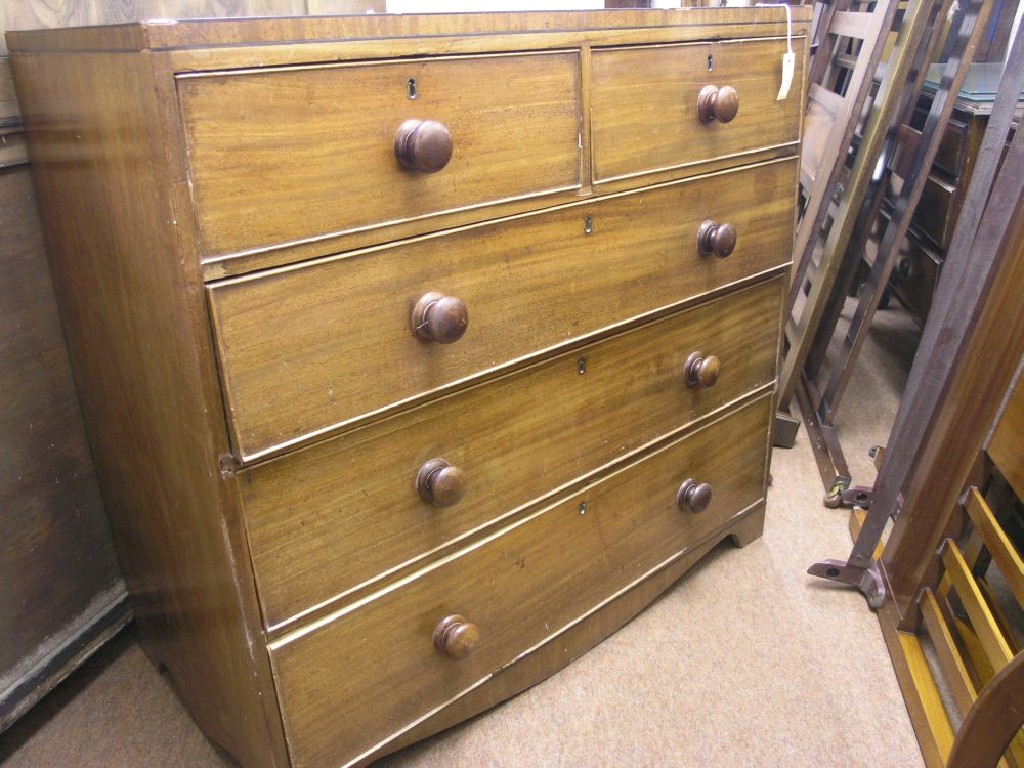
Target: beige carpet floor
{"x": 747, "y": 661}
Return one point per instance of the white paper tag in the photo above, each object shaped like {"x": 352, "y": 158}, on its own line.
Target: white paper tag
{"x": 788, "y": 69}
{"x": 789, "y": 57}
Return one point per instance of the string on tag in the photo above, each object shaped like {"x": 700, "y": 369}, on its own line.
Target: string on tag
{"x": 789, "y": 57}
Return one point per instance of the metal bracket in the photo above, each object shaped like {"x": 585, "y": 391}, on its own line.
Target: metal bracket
{"x": 867, "y": 580}
{"x": 842, "y": 494}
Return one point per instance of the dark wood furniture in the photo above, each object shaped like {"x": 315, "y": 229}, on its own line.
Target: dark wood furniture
{"x": 963, "y": 401}
{"x": 62, "y": 593}
{"x": 418, "y": 353}
{"x": 967, "y": 593}
{"x": 891, "y": 157}
{"x": 917, "y": 272}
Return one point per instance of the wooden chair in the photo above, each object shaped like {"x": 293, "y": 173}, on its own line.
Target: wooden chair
{"x": 896, "y": 189}
{"x": 894, "y": 154}
{"x": 932, "y": 581}
{"x": 977, "y": 649}
{"x": 848, "y": 43}
{"x": 993, "y": 721}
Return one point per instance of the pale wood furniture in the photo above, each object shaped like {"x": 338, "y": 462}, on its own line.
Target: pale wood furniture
{"x": 966, "y": 598}
{"x": 394, "y": 418}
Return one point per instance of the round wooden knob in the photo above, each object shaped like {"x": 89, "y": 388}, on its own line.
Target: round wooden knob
{"x": 440, "y": 318}
{"x": 714, "y": 103}
{"x": 719, "y": 239}
{"x": 693, "y": 496}
{"x": 440, "y": 483}
{"x": 701, "y": 371}
{"x": 456, "y": 637}
{"x": 423, "y": 145}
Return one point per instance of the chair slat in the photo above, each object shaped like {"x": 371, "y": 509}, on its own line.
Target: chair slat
{"x": 851, "y": 24}
{"x": 1003, "y": 553}
{"x": 984, "y": 623}
{"x": 993, "y": 722}
{"x": 1002, "y": 620}
{"x": 948, "y": 653}
{"x": 929, "y": 700}
{"x": 832, "y": 102}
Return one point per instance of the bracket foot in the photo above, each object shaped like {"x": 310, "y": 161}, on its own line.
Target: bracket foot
{"x": 867, "y": 580}
{"x": 842, "y": 494}
{"x": 786, "y": 428}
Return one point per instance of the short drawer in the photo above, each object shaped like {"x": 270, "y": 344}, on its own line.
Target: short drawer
{"x": 954, "y": 147}
{"x": 506, "y": 443}
{"x": 349, "y": 682}
{"x": 645, "y": 116}
{"x": 307, "y": 349}
{"x": 938, "y": 210}
{"x": 287, "y": 154}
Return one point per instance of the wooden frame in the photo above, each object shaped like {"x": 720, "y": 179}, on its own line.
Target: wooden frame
{"x": 973, "y": 348}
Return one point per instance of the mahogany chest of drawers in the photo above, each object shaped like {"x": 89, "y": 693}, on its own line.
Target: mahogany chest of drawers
{"x": 418, "y": 353}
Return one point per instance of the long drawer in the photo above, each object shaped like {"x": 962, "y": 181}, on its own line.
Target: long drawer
{"x": 287, "y": 154}
{"x": 520, "y": 587}
{"x": 511, "y": 441}
{"x": 645, "y": 114}
{"x": 916, "y": 276}
{"x": 307, "y": 349}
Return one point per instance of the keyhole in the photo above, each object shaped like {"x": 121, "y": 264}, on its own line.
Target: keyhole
{"x": 588, "y": 224}
{"x": 413, "y": 93}
{"x": 711, "y": 62}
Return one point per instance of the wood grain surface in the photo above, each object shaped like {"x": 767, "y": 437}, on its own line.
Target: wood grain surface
{"x": 135, "y": 323}
{"x": 38, "y": 14}
{"x": 522, "y": 588}
{"x": 516, "y": 439}
{"x": 644, "y": 104}
{"x": 56, "y": 556}
{"x": 318, "y": 156}
{"x": 451, "y": 30}
{"x": 309, "y": 350}
{"x": 1006, "y": 447}
{"x": 305, "y": 349}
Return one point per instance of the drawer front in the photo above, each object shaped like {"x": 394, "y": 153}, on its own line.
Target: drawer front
{"x": 916, "y": 277}
{"x": 937, "y": 211}
{"x": 644, "y": 104}
{"x": 289, "y": 154}
{"x": 306, "y": 349}
{"x": 953, "y": 147}
{"x": 513, "y": 440}
{"x": 349, "y": 683}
